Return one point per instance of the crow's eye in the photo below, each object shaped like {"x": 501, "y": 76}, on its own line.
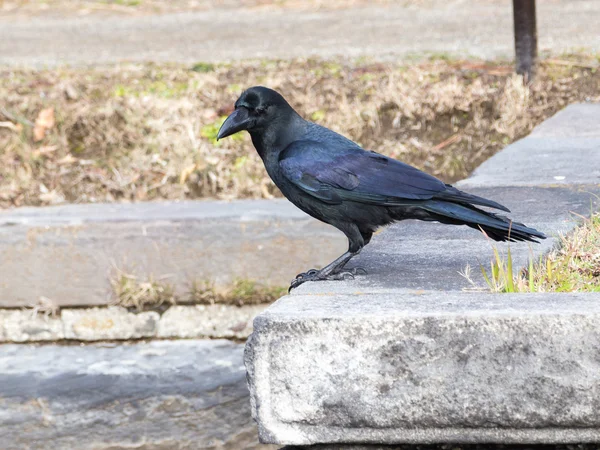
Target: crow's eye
{"x": 260, "y": 110}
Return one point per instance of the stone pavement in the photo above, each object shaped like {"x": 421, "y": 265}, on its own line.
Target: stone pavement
{"x": 404, "y": 355}
{"x": 160, "y": 395}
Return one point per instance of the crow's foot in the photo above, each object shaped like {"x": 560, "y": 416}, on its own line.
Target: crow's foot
{"x": 309, "y": 275}
{"x": 317, "y": 275}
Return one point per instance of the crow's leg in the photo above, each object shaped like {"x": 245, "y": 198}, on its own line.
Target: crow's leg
{"x": 333, "y": 270}
{"x": 366, "y": 235}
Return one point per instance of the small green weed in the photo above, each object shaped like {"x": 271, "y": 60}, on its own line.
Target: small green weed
{"x": 241, "y": 292}
{"x": 151, "y": 293}
{"x": 203, "y": 67}
{"x": 574, "y": 267}
{"x": 211, "y": 130}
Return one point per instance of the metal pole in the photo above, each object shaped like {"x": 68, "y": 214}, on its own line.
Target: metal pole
{"x": 525, "y": 38}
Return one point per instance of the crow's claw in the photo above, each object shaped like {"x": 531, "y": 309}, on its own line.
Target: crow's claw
{"x": 357, "y": 271}
{"x": 308, "y": 273}
{"x": 345, "y": 275}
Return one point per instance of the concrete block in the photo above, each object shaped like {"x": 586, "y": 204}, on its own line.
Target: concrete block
{"x": 423, "y": 367}
{"x": 25, "y": 326}
{"x": 69, "y": 253}
{"x": 114, "y": 322}
{"x": 215, "y": 321}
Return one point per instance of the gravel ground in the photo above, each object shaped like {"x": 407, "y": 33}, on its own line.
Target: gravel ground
{"x": 404, "y": 30}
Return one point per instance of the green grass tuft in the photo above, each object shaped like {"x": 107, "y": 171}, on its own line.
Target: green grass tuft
{"x": 203, "y": 67}
{"x": 574, "y": 267}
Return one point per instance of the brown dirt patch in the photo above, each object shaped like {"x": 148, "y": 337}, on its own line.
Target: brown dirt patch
{"x": 145, "y": 132}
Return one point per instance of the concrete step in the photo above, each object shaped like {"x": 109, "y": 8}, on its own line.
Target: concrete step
{"x": 117, "y": 323}
{"x": 69, "y": 254}
{"x": 147, "y": 395}
{"x": 426, "y": 367}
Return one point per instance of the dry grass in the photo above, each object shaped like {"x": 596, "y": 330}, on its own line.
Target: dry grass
{"x": 575, "y": 266}
{"x": 139, "y": 294}
{"x": 145, "y": 132}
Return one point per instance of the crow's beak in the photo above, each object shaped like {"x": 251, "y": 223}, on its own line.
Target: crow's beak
{"x": 237, "y": 121}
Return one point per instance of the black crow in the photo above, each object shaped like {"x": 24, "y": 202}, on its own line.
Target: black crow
{"x": 336, "y": 181}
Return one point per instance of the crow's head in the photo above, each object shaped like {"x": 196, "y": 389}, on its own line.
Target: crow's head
{"x": 257, "y": 108}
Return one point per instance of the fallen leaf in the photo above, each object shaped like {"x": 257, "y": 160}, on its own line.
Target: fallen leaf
{"x": 451, "y": 140}
{"x": 44, "y": 122}
{"x": 186, "y": 172}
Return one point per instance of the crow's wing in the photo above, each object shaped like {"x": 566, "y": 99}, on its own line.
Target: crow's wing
{"x": 354, "y": 174}
{"x": 335, "y": 175}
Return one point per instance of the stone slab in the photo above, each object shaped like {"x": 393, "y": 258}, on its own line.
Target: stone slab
{"x": 579, "y": 120}
{"x": 69, "y": 254}
{"x": 157, "y": 395}
{"x": 543, "y": 161}
{"x": 423, "y": 367}
{"x": 116, "y": 323}
{"x": 215, "y": 321}
{"x": 562, "y": 150}
{"x": 421, "y": 255}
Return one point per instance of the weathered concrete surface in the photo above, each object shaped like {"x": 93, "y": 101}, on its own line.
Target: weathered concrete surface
{"x": 580, "y": 120}
{"x": 541, "y": 162}
{"x": 563, "y": 150}
{"x": 116, "y": 323}
{"x": 427, "y": 367}
{"x": 69, "y": 253}
{"x": 158, "y": 395}
{"x": 398, "y": 30}
{"x": 215, "y": 321}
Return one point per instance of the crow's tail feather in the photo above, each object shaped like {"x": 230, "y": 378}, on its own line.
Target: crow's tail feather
{"x": 498, "y": 228}
{"x": 451, "y": 194}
